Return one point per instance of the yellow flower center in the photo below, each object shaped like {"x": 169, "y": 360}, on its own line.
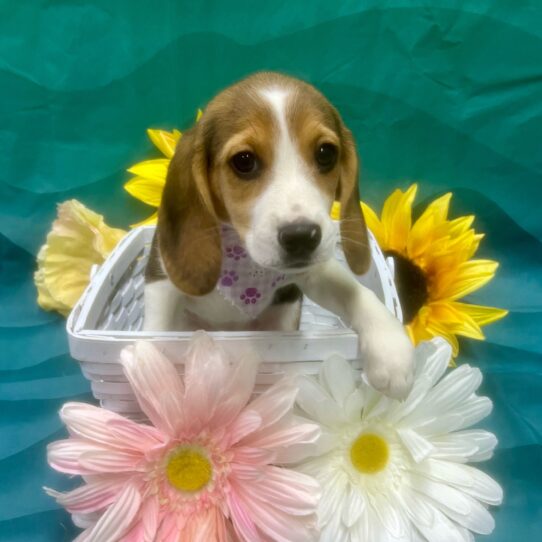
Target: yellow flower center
{"x": 188, "y": 469}
{"x": 369, "y": 453}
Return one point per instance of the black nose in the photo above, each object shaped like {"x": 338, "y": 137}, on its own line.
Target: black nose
{"x": 300, "y": 238}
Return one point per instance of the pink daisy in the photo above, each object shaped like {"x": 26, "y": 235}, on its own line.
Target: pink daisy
{"x": 204, "y": 471}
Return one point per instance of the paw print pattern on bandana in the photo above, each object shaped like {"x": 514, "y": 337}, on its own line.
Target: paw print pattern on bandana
{"x": 229, "y": 278}
{"x": 236, "y": 252}
{"x": 245, "y": 284}
{"x": 250, "y": 296}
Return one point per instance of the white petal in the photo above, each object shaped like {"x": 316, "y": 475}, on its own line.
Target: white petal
{"x": 332, "y": 499}
{"x": 399, "y": 410}
{"x": 353, "y": 507}
{"x": 432, "y": 358}
{"x": 458, "y": 506}
{"x": 334, "y": 530}
{"x": 418, "y": 446}
{"x": 470, "y": 412}
{"x": 390, "y": 516}
{"x": 337, "y": 376}
{"x": 462, "y": 446}
{"x": 353, "y": 406}
{"x": 431, "y": 522}
{"x": 453, "y": 389}
{"x": 468, "y": 479}
{"x": 318, "y": 404}
{"x": 455, "y": 446}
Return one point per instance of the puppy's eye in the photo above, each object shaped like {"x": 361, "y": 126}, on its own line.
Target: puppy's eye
{"x": 245, "y": 164}
{"x": 326, "y": 157}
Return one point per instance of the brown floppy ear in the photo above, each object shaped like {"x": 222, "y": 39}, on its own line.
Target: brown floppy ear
{"x": 354, "y": 237}
{"x": 188, "y": 229}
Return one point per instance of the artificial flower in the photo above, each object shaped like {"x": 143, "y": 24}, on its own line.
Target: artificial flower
{"x": 204, "y": 470}
{"x": 395, "y": 471}
{"x": 433, "y": 267}
{"x": 150, "y": 175}
{"x": 79, "y": 239}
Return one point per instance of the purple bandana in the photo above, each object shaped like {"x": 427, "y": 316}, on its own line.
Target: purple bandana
{"x": 242, "y": 281}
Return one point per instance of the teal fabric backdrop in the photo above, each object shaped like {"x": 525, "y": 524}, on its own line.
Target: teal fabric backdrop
{"x": 445, "y": 93}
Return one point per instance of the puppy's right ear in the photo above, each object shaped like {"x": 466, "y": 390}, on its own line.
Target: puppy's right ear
{"x": 188, "y": 228}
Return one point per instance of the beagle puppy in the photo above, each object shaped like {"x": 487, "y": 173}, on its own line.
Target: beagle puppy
{"x": 244, "y": 225}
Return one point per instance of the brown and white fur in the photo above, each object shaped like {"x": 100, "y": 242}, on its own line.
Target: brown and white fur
{"x": 281, "y": 124}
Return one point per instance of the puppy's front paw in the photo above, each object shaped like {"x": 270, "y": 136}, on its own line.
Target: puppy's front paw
{"x": 389, "y": 360}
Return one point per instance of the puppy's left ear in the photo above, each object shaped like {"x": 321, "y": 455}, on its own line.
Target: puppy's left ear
{"x": 354, "y": 237}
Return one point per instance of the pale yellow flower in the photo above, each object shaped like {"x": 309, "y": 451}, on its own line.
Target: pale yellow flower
{"x": 433, "y": 267}
{"x": 150, "y": 176}
{"x": 79, "y": 239}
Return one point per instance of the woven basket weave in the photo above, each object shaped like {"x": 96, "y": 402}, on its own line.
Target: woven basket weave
{"x": 109, "y": 316}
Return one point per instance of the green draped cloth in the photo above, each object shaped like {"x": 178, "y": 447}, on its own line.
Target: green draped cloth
{"x": 448, "y": 94}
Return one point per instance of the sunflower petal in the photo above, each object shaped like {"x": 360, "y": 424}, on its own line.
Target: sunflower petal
{"x": 397, "y": 216}
{"x": 471, "y": 276}
{"x": 164, "y": 141}
{"x": 147, "y": 190}
{"x": 374, "y": 224}
{"x": 151, "y": 169}
{"x": 480, "y": 314}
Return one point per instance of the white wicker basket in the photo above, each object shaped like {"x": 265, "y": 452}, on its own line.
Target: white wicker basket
{"x": 109, "y": 316}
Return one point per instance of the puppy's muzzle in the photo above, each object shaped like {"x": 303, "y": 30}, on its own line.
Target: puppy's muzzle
{"x": 299, "y": 240}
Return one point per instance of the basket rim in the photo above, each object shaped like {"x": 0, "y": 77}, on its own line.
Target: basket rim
{"x": 128, "y": 247}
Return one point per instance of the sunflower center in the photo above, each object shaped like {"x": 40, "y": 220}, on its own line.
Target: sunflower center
{"x": 411, "y": 283}
{"x": 369, "y": 453}
{"x": 188, "y": 469}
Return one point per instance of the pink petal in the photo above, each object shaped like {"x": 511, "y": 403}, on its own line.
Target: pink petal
{"x": 247, "y": 422}
{"x": 275, "y": 402}
{"x": 86, "y": 521}
{"x": 145, "y": 529}
{"x": 137, "y": 436}
{"x": 205, "y": 527}
{"x": 253, "y": 456}
{"x": 91, "y": 497}
{"x": 278, "y": 525}
{"x": 243, "y": 472}
{"x": 118, "y": 518}
{"x": 242, "y": 522}
{"x": 104, "y": 427}
{"x": 111, "y": 461}
{"x": 292, "y": 492}
{"x": 238, "y": 389}
{"x": 284, "y": 435}
{"x": 156, "y": 384}
{"x": 216, "y": 390}
{"x": 150, "y": 515}
{"x": 64, "y": 455}
{"x": 168, "y": 529}
{"x": 83, "y": 537}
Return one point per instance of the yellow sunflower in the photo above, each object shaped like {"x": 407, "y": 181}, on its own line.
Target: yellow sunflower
{"x": 433, "y": 267}
{"x": 150, "y": 175}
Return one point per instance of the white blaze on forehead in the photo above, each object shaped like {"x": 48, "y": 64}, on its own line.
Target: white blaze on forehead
{"x": 292, "y": 183}
{"x": 292, "y": 193}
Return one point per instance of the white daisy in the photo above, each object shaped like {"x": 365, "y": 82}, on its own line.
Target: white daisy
{"x": 395, "y": 471}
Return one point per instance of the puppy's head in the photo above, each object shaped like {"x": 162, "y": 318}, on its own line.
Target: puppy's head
{"x": 269, "y": 156}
